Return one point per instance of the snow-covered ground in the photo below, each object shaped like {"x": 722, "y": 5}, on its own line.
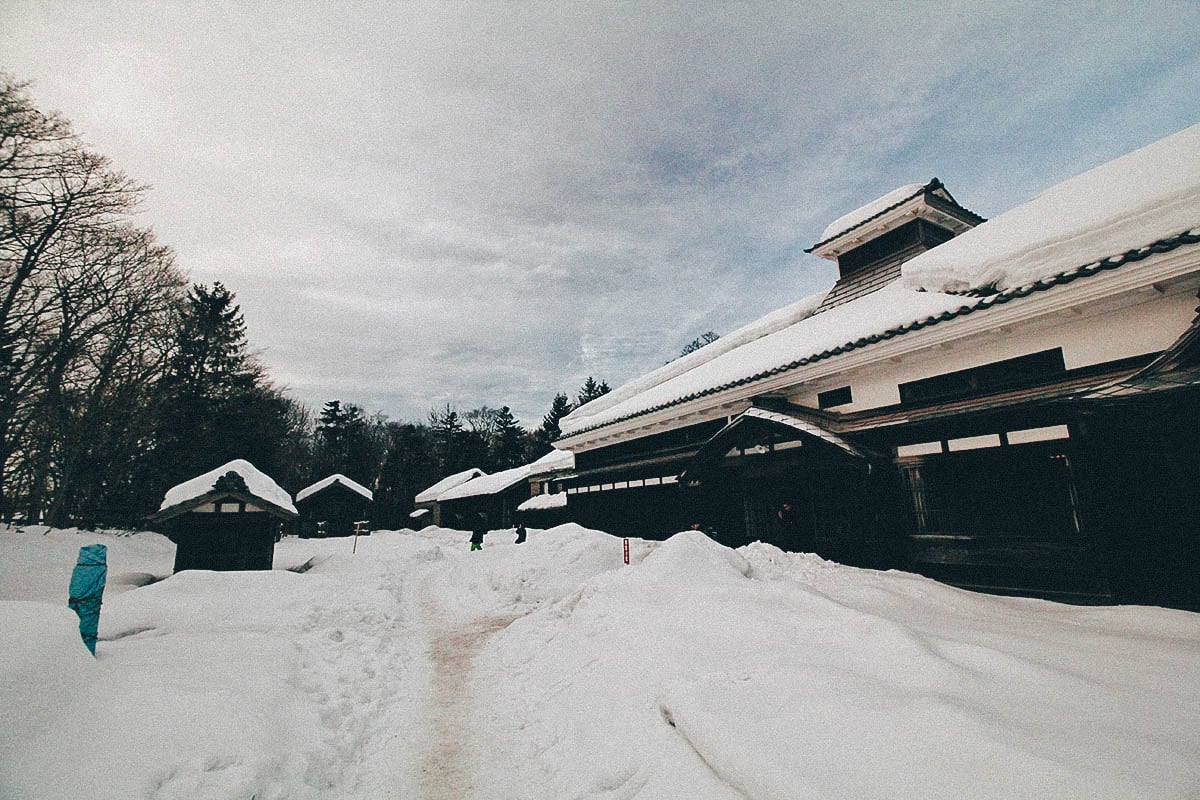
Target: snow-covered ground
{"x": 416, "y": 669}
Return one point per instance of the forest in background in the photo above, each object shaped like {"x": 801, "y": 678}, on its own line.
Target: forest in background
{"x": 119, "y": 378}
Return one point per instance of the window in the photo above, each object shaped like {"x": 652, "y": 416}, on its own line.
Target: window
{"x": 1008, "y": 374}
{"x": 835, "y": 397}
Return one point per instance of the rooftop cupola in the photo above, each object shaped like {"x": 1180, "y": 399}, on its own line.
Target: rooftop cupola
{"x": 870, "y": 243}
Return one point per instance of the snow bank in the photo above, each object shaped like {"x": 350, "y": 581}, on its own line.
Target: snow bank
{"x": 544, "y": 502}
{"x": 259, "y": 484}
{"x": 551, "y": 669}
{"x": 705, "y": 673}
{"x": 1125, "y": 204}
{"x": 36, "y": 561}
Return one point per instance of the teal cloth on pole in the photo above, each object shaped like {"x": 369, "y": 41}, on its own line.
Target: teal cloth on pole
{"x": 87, "y": 589}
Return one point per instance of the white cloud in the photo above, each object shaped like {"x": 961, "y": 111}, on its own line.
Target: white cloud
{"x": 486, "y": 203}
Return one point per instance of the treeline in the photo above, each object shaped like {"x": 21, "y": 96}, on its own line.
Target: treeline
{"x": 118, "y": 379}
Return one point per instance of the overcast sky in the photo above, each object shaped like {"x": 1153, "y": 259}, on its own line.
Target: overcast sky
{"x": 422, "y": 203}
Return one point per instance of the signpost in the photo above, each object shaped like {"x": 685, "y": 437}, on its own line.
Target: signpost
{"x": 358, "y": 528}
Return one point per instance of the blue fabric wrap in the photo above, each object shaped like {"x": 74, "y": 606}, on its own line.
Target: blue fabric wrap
{"x": 87, "y": 589}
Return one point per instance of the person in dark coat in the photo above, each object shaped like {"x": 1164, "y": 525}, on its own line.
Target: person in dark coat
{"x": 791, "y": 530}
{"x": 87, "y": 589}
{"x": 478, "y": 529}
{"x": 520, "y": 532}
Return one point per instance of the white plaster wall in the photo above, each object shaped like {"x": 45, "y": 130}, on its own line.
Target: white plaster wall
{"x": 1089, "y": 335}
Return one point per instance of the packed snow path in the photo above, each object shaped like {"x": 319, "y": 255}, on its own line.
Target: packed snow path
{"x": 416, "y": 669}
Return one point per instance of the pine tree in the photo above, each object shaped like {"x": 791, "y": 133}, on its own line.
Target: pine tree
{"x": 217, "y": 401}
{"x": 591, "y": 390}
{"x": 448, "y": 434}
{"x": 558, "y": 409}
{"x": 508, "y": 442}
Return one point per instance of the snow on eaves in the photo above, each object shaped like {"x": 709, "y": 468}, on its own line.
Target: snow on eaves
{"x": 596, "y": 412}
{"x": 353, "y": 486}
{"x": 487, "y": 484}
{"x": 449, "y": 482}
{"x": 872, "y": 209}
{"x": 1144, "y": 196}
{"x": 544, "y": 502}
{"x": 875, "y": 314}
{"x": 259, "y": 484}
{"x": 554, "y": 461}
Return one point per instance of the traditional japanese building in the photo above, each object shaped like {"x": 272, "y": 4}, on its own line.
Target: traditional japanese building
{"x": 427, "y": 500}
{"x": 1007, "y": 405}
{"x": 333, "y": 506}
{"x": 226, "y": 519}
{"x": 496, "y": 496}
{"x": 546, "y": 505}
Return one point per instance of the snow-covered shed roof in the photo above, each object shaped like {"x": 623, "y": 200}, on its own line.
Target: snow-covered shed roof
{"x": 258, "y": 484}
{"x": 420, "y": 512}
{"x": 544, "y": 502}
{"x": 445, "y": 484}
{"x": 554, "y": 461}
{"x": 340, "y": 480}
{"x": 488, "y": 484}
{"x": 1113, "y": 212}
{"x": 1133, "y": 201}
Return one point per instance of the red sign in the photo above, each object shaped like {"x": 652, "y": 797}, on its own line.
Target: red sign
{"x": 626, "y": 551}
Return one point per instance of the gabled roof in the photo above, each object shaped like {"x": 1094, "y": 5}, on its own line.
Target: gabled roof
{"x": 487, "y": 484}
{"x": 254, "y": 485}
{"x": 929, "y": 200}
{"x": 449, "y": 482}
{"x": 338, "y": 480}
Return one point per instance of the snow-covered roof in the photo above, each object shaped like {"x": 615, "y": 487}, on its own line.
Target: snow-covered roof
{"x": 860, "y": 215}
{"x": 871, "y": 314}
{"x": 1144, "y": 197}
{"x": 337, "y": 478}
{"x": 257, "y": 482}
{"x": 544, "y": 502}
{"x": 554, "y": 461}
{"x": 1133, "y": 201}
{"x": 449, "y": 482}
{"x": 488, "y": 484}
{"x": 420, "y": 512}
{"x": 592, "y": 413}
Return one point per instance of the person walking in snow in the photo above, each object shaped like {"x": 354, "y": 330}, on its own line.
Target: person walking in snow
{"x": 478, "y": 530}
{"x": 87, "y": 589}
{"x": 520, "y": 532}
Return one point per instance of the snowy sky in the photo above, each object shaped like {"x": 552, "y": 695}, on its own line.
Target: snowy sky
{"x": 485, "y": 203}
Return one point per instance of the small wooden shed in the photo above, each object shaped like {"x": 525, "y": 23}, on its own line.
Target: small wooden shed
{"x": 331, "y": 506}
{"x": 225, "y": 519}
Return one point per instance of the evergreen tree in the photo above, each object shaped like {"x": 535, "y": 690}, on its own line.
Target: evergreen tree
{"x": 448, "y": 432}
{"x": 706, "y": 338}
{"x": 591, "y": 390}
{"x": 509, "y": 441}
{"x": 409, "y": 466}
{"x": 217, "y": 401}
{"x": 345, "y": 443}
{"x": 558, "y": 409}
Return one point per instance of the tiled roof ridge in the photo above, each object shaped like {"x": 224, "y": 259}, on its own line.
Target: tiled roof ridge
{"x": 1190, "y": 236}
